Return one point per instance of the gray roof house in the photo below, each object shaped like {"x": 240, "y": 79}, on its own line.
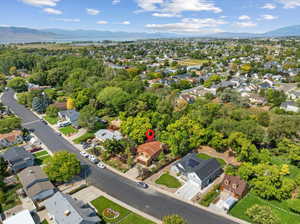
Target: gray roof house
{"x": 63, "y": 209}
{"x": 105, "y": 134}
{"x": 18, "y": 158}
{"x": 36, "y": 183}
{"x": 290, "y": 106}
{"x": 69, "y": 115}
{"x": 199, "y": 171}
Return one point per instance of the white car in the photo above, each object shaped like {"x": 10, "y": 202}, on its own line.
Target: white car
{"x": 92, "y": 157}
{"x": 84, "y": 154}
{"x": 101, "y": 165}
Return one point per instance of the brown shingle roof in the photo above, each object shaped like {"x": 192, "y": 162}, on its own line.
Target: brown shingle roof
{"x": 150, "y": 148}
{"x": 234, "y": 184}
{"x": 11, "y": 137}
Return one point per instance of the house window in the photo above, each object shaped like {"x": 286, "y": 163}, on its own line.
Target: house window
{"x": 226, "y": 182}
{"x": 234, "y": 186}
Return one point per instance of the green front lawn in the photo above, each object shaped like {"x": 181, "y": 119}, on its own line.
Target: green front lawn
{"x": 84, "y": 137}
{"x": 205, "y": 157}
{"x": 125, "y": 216}
{"x": 134, "y": 218}
{"x": 51, "y": 120}
{"x": 40, "y": 154}
{"x": 279, "y": 208}
{"x": 168, "y": 180}
{"x": 68, "y": 130}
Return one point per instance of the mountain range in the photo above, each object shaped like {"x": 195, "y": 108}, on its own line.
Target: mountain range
{"x": 21, "y": 34}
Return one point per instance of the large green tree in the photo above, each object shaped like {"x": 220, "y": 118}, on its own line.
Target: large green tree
{"x": 18, "y": 84}
{"x": 173, "y": 219}
{"x": 62, "y": 166}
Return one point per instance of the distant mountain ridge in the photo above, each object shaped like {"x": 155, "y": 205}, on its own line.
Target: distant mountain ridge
{"x": 22, "y": 34}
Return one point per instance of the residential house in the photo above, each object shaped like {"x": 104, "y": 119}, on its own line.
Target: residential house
{"x": 36, "y": 183}
{"x": 293, "y": 95}
{"x": 23, "y": 217}
{"x": 13, "y": 138}
{"x": 198, "y": 171}
{"x": 70, "y": 116}
{"x": 106, "y": 134}
{"x": 148, "y": 152}
{"x": 18, "y": 158}
{"x": 60, "y": 105}
{"x": 232, "y": 189}
{"x": 234, "y": 186}
{"x": 63, "y": 209}
{"x": 290, "y": 106}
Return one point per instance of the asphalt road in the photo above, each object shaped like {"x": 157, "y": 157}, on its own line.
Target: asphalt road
{"x": 148, "y": 201}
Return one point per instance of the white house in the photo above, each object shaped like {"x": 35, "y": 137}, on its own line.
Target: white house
{"x": 290, "y": 106}
{"x": 105, "y": 134}
{"x": 21, "y": 217}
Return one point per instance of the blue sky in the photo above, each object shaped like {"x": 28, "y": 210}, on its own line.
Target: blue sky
{"x": 180, "y": 16}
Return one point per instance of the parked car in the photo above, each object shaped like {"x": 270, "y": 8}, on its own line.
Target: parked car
{"x": 84, "y": 154}
{"x": 94, "y": 160}
{"x": 86, "y": 146}
{"x": 35, "y": 149}
{"x": 142, "y": 185}
{"x": 63, "y": 124}
{"x": 101, "y": 165}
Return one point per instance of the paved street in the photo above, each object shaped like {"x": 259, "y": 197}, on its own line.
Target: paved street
{"x": 148, "y": 201}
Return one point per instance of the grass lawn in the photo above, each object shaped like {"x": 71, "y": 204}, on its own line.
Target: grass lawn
{"x": 51, "y": 120}
{"x": 68, "y": 130}
{"x": 205, "y": 157}
{"x": 125, "y": 216}
{"x": 134, "y": 218}
{"x": 11, "y": 198}
{"x": 168, "y": 180}
{"x": 39, "y": 161}
{"x": 40, "y": 154}
{"x": 84, "y": 137}
{"x": 279, "y": 208}
{"x": 280, "y": 160}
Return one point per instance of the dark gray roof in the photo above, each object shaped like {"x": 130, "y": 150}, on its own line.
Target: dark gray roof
{"x": 192, "y": 164}
{"x": 68, "y": 210}
{"x": 16, "y": 154}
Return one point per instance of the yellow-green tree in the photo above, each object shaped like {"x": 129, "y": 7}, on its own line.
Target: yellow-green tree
{"x": 70, "y": 104}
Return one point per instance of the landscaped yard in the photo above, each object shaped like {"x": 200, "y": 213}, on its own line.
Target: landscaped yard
{"x": 169, "y": 181}
{"x": 84, "y": 137}
{"x": 112, "y": 213}
{"x": 279, "y": 208}
{"x": 41, "y": 156}
{"x": 51, "y": 120}
{"x": 205, "y": 157}
{"x": 68, "y": 130}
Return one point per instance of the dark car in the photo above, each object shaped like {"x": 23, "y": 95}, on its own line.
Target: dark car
{"x": 142, "y": 185}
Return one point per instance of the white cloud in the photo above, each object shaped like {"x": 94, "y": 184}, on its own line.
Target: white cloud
{"x": 166, "y": 15}
{"x": 52, "y": 11}
{"x": 269, "y": 6}
{"x": 289, "y": 4}
{"x": 92, "y": 12}
{"x": 125, "y": 23}
{"x": 269, "y": 17}
{"x": 246, "y": 24}
{"x": 41, "y": 2}
{"x": 178, "y": 6}
{"x": 190, "y": 25}
{"x": 67, "y": 20}
{"x": 115, "y": 2}
{"x": 102, "y": 22}
{"x": 244, "y": 17}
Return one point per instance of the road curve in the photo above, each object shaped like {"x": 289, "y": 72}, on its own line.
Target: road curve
{"x": 149, "y": 201}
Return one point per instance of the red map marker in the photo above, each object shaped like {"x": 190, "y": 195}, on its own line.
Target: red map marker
{"x": 150, "y": 135}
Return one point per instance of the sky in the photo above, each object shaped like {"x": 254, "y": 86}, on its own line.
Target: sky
{"x": 178, "y": 16}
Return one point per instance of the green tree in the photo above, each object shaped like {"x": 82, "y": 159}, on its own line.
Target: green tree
{"x": 18, "y": 84}
{"x": 10, "y": 123}
{"x": 88, "y": 117}
{"x": 113, "y": 97}
{"x": 62, "y": 166}
{"x": 136, "y": 127}
{"x": 262, "y": 215}
{"x": 173, "y": 219}
{"x": 52, "y": 111}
